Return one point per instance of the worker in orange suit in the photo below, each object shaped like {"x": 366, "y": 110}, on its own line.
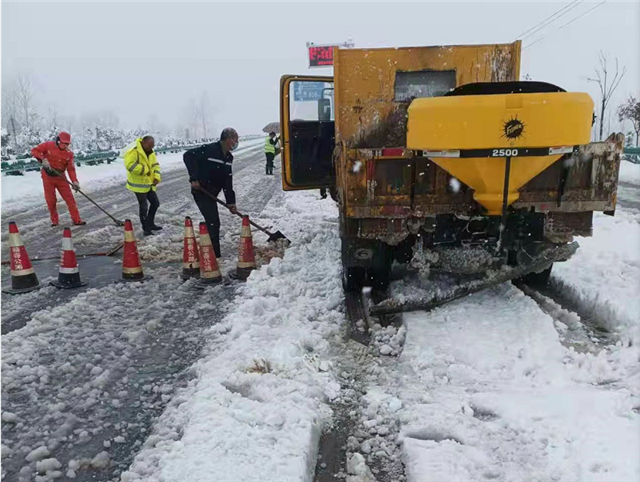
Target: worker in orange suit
{"x": 56, "y": 159}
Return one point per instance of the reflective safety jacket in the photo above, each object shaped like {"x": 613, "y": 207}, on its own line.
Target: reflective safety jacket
{"x": 270, "y": 145}
{"x": 141, "y": 169}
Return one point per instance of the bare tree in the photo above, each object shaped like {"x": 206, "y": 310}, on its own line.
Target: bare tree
{"x": 201, "y": 115}
{"x": 53, "y": 115}
{"x": 630, "y": 111}
{"x": 10, "y": 111}
{"x": 607, "y": 85}
{"x": 25, "y": 99}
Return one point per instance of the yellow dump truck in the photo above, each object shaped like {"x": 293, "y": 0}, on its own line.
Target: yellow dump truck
{"x": 443, "y": 152}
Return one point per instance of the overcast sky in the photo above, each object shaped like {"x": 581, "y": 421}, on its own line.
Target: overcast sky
{"x": 139, "y": 59}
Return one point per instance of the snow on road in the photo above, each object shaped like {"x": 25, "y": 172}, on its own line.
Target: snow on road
{"x": 260, "y": 401}
{"x": 491, "y": 392}
{"x": 604, "y": 275}
{"x": 630, "y": 172}
{"x": 499, "y": 398}
{"x": 485, "y": 388}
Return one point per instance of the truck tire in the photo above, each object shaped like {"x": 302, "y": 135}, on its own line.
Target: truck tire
{"x": 379, "y": 278}
{"x": 353, "y": 278}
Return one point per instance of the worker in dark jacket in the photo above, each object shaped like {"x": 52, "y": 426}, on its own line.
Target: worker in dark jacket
{"x": 210, "y": 170}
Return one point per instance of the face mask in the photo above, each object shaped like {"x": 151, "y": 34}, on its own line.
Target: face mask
{"x": 235, "y": 146}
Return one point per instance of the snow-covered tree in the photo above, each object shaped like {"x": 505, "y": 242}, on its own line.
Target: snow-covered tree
{"x": 630, "y": 111}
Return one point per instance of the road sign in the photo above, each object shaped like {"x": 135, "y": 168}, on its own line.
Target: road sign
{"x": 322, "y": 55}
{"x": 307, "y": 91}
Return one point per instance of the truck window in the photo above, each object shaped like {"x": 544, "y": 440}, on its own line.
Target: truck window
{"x": 425, "y": 83}
{"x": 311, "y": 101}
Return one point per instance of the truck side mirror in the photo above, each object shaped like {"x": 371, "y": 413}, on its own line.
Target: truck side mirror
{"x": 324, "y": 109}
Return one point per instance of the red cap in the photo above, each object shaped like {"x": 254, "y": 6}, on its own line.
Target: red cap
{"x": 128, "y": 226}
{"x": 64, "y": 137}
{"x": 66, "y": 233}
{"x": 187, "y": 222}
{"x": 13, "y": 227}
{"x": 203, "y": 228}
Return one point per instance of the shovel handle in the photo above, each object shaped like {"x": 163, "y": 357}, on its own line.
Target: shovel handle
{"x": 62, "y": 175}
{"x": 257, "y": 226}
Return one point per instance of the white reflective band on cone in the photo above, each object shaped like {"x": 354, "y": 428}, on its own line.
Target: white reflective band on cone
{"x": 67, "y": 244}
{"x": 15, "y": 240}
{"x": 69, "y": 270}
{"x": 188, "y": 232}
{"x": 22, "y": 272}
{"x": 244, "y": 264}
{"x": 129, "y": 237}
{"x": 205, "y": 240}
{"x": 246, "y": 232}
{"x": 210, "y": 274}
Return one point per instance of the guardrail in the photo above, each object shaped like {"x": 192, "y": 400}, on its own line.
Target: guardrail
{"x": 631, "y": 154}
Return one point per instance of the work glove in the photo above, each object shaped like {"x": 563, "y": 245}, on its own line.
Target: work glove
{"x": 75, "y": 186}
{"x": 233, "y": 209}
{"x": 46, "y": 164}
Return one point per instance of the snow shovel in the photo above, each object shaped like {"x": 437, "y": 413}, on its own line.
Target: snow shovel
{"x": 273, "y": 237}
{"x": 61, "y": 174}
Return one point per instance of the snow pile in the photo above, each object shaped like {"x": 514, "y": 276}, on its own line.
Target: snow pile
{"x": 387, "y": 341}
{"x": 604, "y": 274}
{"x": 489, "y": 392}
{"x": 630, "y": 172}
{"x": 259, "y": 403}
{"x": 375, "y": 439}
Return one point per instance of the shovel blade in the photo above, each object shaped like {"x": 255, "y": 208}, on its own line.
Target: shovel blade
{"x": 274, "y": 237}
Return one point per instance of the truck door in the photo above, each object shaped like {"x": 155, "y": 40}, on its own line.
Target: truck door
{"x": 307, "y": 123}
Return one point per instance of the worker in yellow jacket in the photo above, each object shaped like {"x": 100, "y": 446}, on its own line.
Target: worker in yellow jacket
{"x": 143, "y": 175}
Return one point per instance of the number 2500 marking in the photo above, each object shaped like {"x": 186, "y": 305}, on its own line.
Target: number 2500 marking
{"x": 504, "y": 152}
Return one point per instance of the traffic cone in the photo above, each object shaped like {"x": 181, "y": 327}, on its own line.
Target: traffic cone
{"x": 69, "y": 273}
{"x": 246, "y": 255}
{"x": 209, "y": 271}
{"x": 23, "y": 276}
{"x": 131, "y": 267}
{"x": 190, "y": 258}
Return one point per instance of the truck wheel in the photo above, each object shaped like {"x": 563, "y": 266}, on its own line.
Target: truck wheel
{"x": 379, "y": 278}
{"x": 352, "y": 278}
{"x": 537, "y": 279}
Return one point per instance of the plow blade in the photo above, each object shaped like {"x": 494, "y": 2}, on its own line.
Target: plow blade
{"x": 537, "y": 264}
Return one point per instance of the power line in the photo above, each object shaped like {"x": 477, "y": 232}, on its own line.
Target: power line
{"x": 604, "y": 1}
{"x": 550, "y": 16}
{"x": 573, "y": 6}
{"x": 566, "y": 24}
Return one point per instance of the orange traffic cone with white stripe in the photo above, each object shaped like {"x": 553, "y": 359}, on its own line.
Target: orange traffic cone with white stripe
{"x": 69, "y": 273}
{"x": 131, "y": 266}
{"x": 23, "y": 276}
{"x": 247, "y": 254}
{"x": 190, "y": 258}
{"x": 209, "y": 270}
